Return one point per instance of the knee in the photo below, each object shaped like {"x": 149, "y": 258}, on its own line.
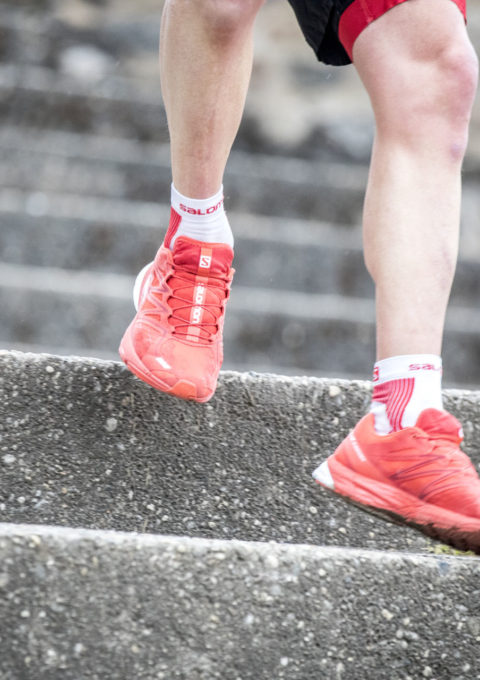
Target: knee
{"x": 429, "y": 94}
{"x": 225, "y": 18}
{"x": 457, "y": 78}
{"x": 452, "y": 93}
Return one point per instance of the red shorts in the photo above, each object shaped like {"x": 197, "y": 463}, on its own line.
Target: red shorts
{"x": 332, "y": 26}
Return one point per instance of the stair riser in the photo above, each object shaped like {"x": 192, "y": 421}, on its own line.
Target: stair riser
{"x": 41, "y": 38}
{"x": 92, "y": 446}
{"x": 252, "y": 337}
{"x": 77, "y": 244}
{"x": 57, "y": 320}
{"x": 125, "y": 248}
{"x": 313, "y": 199}
{"x": 128, "y": 109}
{"x": 95, "y": 606}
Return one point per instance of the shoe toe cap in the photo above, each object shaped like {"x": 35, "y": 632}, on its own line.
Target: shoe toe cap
{"x": 462, "y": 498}
{"x": 190, "y": 372}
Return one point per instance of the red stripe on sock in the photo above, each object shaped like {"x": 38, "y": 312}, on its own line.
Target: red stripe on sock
{"x": 380, "y": 393}
{"x": 175, "y": 220}
{"x": 395, "y": 394}
{"x": 396, "y": 405}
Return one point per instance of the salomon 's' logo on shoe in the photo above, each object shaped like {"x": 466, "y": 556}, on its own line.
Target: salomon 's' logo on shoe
{"x": 205, "y": 261}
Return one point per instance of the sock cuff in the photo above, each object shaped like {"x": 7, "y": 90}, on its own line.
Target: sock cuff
{"x": 203, "y": 208}
{"x": 404, "y": 366}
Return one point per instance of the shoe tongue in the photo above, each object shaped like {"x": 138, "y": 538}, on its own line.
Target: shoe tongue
{"x": 203, "y": 259}
{"x": 441, "y": 424}
{"x": 211, "y": 262}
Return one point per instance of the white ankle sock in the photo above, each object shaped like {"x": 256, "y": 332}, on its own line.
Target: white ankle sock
{"x": 200, "y": 219}
{"x": 403, "y": 387}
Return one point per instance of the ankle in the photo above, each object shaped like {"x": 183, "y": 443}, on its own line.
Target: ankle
{"x": 200, "y": 219}
{"x": 404, "y": 386}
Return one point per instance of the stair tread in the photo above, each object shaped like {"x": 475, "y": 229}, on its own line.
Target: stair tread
{"x": 174, "y": 607}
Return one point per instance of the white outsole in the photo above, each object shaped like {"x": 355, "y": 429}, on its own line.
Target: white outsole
{"x": 323, "y": 476}
{"x": 137, "y": 287}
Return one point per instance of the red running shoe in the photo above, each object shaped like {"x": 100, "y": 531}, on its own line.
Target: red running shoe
{"x": 418, "y": 476}
{"x": 174, "y": 343}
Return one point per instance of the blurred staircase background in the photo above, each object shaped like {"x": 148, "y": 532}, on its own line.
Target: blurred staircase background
{"x": 84, "y": 192}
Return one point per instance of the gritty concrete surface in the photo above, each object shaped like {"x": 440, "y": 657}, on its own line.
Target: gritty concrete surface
{"x": 96, "y": 605}
{"x": 84, "y": 443}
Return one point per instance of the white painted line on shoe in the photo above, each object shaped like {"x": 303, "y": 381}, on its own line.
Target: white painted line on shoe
{"x": 164, "y": 364}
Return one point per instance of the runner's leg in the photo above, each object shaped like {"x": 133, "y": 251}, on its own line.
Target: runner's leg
{"x": 420, "y": 71}
{"x": 174, "y": 343}
{"x": 206, "y": 61}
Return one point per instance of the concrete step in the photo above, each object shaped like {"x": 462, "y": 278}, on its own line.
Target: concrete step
{"x": 45, "y": 37}
{"x": 76, "y": 602}
{"x": 75, "y": 232}
{"x": 271, "y": 367}
{"x": 94, "y": 44}
{"x": 118, "y": 106}
{"x": 120, "y": 168}
{"x": 57, "y": 308}
{"x": 122, "y": 48}
{"x": 99, "y": 166}
{"x": 48, "y": 100}
{"x": 86, "y": 444}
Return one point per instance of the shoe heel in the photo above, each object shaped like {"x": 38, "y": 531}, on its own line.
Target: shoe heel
{"x": 137, "y": 288}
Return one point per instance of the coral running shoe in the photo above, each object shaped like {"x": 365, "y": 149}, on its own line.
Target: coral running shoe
{"x": 174, "y": 343}
{"x": 416, "y": 476}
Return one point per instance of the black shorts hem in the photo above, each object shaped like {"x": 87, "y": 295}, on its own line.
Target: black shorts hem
{"x": 319, "y": 22}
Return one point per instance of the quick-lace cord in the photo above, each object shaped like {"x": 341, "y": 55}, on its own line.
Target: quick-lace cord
{"x": 182, "y": 323}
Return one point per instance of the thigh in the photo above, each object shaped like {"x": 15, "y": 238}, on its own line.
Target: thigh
{"x": 416, "y": 61}
{"x": 400, "y": 24}
{"x": 406, "y": 46}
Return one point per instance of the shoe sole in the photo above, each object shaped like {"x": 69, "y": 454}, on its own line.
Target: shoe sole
{"x": 397, "y": 506}
{"x": 183, "y": 389}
